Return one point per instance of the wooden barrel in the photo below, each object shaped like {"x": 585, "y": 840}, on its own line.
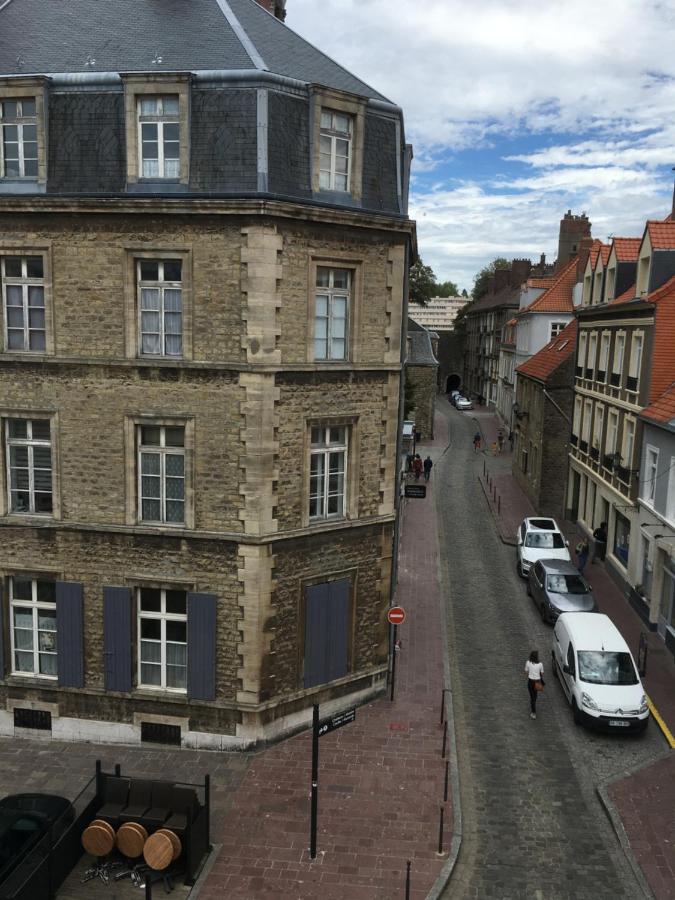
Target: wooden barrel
{"x": 158, "y": 851}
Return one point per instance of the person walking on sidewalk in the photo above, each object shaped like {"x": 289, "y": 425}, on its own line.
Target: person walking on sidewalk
{"x": 476, "y": 442}
{"x": 535, "y": 680}
{"x": 427, "y": 468}
{"x": 600, "y": 538}
{"x": 512, "y": 438}
{"x": 500, "y": 440}
{"x": 417, "y": 466}
{"x": 582, "y": 555}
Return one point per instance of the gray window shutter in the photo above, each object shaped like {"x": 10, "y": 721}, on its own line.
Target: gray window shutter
{"x": 69, "y": 634}
{"x": 2, "y": 633}
{"x": 117, "y": 638}
{"x": 201, "y": 646}
{"x": 338, "y": 628}
{"x": 326, "y": 631}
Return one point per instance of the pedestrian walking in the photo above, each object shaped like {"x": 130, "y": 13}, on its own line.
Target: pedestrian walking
{"x": 582, "y": 555}
{"x": 494, "y": 448}
{"x": 428, "y": 464}
{"x": 476, "y": 442}
{"x": 417, "y": 466}
{"x": 600, "y": 538}
{"x": 512, "y": 438}
{"x": 500, "y": 440}
{"x": 535, "y": 680}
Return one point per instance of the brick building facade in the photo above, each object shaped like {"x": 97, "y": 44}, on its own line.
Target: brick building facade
{"x": 203, "y": 272}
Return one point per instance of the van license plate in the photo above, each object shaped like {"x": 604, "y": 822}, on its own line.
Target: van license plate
{"x": 620, "y": 722}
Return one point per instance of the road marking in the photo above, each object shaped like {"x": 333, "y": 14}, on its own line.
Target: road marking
{"x": 662, "y": 725}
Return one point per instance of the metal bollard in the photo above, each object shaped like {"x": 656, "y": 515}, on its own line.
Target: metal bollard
{"x": 445, "y": 739}
{"x": 407, "y": 881}
{"x": 445, "y": 789}
{"x": 440, "y": 833}
{"x": 499, "y": 504}
{"x": 443, "y": 693}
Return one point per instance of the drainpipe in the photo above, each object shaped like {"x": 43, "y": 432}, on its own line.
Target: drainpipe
{"x": 562, "y": 413}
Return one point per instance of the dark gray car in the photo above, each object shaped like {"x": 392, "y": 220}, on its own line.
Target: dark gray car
{"x": 557, "y": 587}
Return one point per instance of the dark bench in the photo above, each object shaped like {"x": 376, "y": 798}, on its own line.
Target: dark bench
{"x": 155, "y": 804}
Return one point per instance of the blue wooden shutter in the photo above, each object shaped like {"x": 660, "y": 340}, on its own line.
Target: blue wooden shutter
{"x": 69, "y": 634}
{"x": 338, "y": 628}
{"x": 326, "y": 631}
{"x": 117, "y": 638}
{"x": 201, "y": 646}
{"x": 2, "y": 634}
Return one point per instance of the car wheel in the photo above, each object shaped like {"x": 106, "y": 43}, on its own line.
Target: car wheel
{"x": 542, "y": 613}
{"x": 576, "y": 715}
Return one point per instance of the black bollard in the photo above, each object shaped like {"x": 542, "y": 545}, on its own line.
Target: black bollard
{"x": 443, "y": 693}
{"x": 440, "y": 833}
{"x": 407, "y": 881}
{"x": 445, "y": 739}
{"x": 445, "y": 789}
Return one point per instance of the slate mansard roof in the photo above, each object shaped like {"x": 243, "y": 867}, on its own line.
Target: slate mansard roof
{"x": 44, "y": 37}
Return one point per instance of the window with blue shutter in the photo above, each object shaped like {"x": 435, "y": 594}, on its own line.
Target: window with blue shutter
{"x": 327, "y": 608}
{"x": 201, "y": 651}
{"x": 117, "y": 638}
{"x": 69, "y": 634}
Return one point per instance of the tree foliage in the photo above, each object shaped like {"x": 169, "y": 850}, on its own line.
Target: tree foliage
{"x": 446, "y": 289}
{"x": 422, "y": 283}
{"x": 480, "y": 284}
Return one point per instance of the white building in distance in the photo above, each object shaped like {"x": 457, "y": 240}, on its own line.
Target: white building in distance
{"x": 439, "y": 314}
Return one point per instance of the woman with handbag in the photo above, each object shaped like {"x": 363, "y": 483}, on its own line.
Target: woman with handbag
{"x": 535, "y": 680}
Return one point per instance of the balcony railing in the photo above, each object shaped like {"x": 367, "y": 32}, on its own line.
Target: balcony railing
{"x": 589, "y": 374}
{"x": 595, "y": 453}
{"x": 623, "y": 474}
{"x": 583, "y": 446}
{"x": 574, "y": 440}
{"x": 608, "y": 461}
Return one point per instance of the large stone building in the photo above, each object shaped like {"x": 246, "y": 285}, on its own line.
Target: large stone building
{"x": 203, "y": 252}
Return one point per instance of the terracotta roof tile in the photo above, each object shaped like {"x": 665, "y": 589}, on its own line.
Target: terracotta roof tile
{"x": 663, "y": 358}
{"x": 542, "y": 365}
{"x": 558, "y": 297}
{"x": 604, "y": 253}
{"x": 661, "y": 235}
{"x": 663, "y": 408}
{"x": 627, "y": 249}
{"x": 593, "y": 253}
{"x": 540, "y": 281}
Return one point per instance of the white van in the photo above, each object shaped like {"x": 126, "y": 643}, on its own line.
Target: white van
{"x": 598, "y": 673}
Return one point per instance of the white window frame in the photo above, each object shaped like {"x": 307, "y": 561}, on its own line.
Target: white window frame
{"x": 603, "y": 363}
{"x": 27, "y": 284}
{"x": 333, "y": 296}
{"x": 162, "y": 451}
{"x": 648, "y": 492}
{"x": 161, "y": 286}
{"x": 619, "y": 354}
{"x": 581, "y": 355}
{"x": 592, "y": 352}
{"x": 586, "y": 425}
{"x": 321, "y": 452}
{"x": 30, "y": 444}
{"x": 628, "y": 441}
{"x": 670, "y": 498}
{"x": 598, "y": 424}
{"x": 636, "y": 351}
{"x": 578, "y": 412}
{"x": 329, "y": 132}
{"x": 555, "y": 328}
{"x": 19, "y": 122}
{"x": 35, "y": 606}
{"x": 160, "y": 119}
{"x": 163, "y": 617}
{"x": 612, "y": 432}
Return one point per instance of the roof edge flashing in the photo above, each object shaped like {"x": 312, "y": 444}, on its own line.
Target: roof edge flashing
{"x": 242, "y": 35}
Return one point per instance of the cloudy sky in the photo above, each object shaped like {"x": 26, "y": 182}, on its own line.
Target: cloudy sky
{"x": 517, "y": 111}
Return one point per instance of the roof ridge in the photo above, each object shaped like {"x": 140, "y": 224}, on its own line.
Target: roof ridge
{"x": 242, "y": 35}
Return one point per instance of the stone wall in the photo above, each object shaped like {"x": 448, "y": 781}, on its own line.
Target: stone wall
{"x": 421, "y": 391}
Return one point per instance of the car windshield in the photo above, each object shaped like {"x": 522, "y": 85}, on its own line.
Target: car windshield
{"x": 606, "y": 667}
{"x": 545, "y": 540}
{"x": 567, "y": 584}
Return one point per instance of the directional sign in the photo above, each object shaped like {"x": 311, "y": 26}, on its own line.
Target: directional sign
{"x": 396, "y": 615}
{"x": 343, "y": 718}
{"x": 416, "y": 490}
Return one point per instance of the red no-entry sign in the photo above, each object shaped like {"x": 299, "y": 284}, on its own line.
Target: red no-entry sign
{"x": 396, "y": 615}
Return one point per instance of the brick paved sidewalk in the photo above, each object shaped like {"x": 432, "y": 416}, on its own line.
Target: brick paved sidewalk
{"x": 644, "y": 801}
{"x": 381, "y": 779}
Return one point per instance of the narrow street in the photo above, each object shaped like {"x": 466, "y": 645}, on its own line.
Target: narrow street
{"x": 533, "y": 826}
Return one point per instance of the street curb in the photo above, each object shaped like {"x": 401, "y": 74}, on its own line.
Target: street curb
{"x": 439, "y": 886}
{"x": 615, "y": 820}
{"x": 196, "y": 888}
{"x": 502, "y": 536}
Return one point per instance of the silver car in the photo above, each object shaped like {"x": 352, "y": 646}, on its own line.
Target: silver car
{"x": 557, "y": 587}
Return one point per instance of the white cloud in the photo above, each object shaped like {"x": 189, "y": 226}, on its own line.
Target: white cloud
{"x": 592, "y": 84}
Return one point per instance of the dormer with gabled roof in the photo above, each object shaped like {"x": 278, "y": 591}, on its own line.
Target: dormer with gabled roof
{"x": 656, "y": 257}
{"x": 589, "y": 271}
{"x": 621, "y": 267}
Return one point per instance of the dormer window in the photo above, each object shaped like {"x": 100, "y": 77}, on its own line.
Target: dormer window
{"x": 610, "y": 285}
{"x": 597, "y": 288}
{"x": 336, "y": 150}
{"x": 642, "y": 285}
{"x": 159, "y": 137}
{"x": 19, "y": 145}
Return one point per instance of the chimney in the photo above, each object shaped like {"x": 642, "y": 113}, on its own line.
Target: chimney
{"x": 584, "y": 253}
{"x": 520, "y": 271}
{"x": 276, "y": 7}
{"x": 501, "y": 279}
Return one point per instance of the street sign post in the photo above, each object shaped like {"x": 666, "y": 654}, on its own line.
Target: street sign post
{"x": 318, "y": 730}
{"x": 396, "y": 617}
{"x": 415, "y": 490}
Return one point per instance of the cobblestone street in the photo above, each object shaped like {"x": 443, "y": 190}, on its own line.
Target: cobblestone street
{"x": 533, "y": 826}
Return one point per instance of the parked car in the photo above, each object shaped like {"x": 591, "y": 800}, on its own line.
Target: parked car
{"x": 539, "y": 538}
{"x": 24, "y": 819}
{"x": 557, "y": 587}
{"x": 463, "y": 403}
{"x": 597, "y": 673}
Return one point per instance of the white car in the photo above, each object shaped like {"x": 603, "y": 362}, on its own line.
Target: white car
{"x": 539, "y": 538}
{"x": 463, "y": 403}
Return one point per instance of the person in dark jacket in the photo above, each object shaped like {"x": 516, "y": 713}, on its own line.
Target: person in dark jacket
{"x": 600, "y": 538}
{"x": 427, "y": 468}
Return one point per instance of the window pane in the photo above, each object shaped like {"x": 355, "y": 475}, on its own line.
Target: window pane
{"x": 42, "y": 457}
{"x": 340, "y": 182}
{"x": 326, "y": 119}
{"x": 150, "y": 487}
{"x": 171, "y": 133}
{"x": 177, "y": 632}
{"x": 15, "y": 318}
{"x": 337, "y": 349}
{"x": 175, "y": 436}
{"x": 36, "y": 297}
{"x": 337, "y": 434}
{"x": 322, "y": 304}
{"x": 148, "y": 106}
{"x": 175, "y": 489}
{"x": 324, "y": 181}
{"x": 150, "y": 168}
{"x": 151, "y": 344}
{"x": 150, "y": 511}
{"x": 48, "y": 664}
{"x": 18, "y": 428}
{"x": 28, "y": 108}
{"x": 176, "y": 677}
{"x": 322, "y": 276}
{"x": 46, "y": 592}
{"x": 22, "y": 588}
{"x": 343, "y": 123}
{"x": 341, "y": 164}
{"x": 23, "y": 662}
{"x": 151, "y": 599}
{"x": 149, "y": 270}
{"x": 173, "y": 345}
{"x": 23, "y": 638}
{"x": 41, "y": 430}
{"x": 150, "y": 299}
{"x": 20, "y": 501}
{"x": 172, "y": 300}
{"x": 10, "y": 109}
{"x": 171, "y": 167}
{"x": 152, "y": 630}
{"x": 175, "y": 465}
{"x": 176, "y": 602}
{"x": 170, "y": 105}
{"x": 175, "y": 511}
{"x": 150, "y": 437}
{"x": 23, "y": 618}
{"x": 317, "y": 437}
{"x": 34, "y": 267}
{"x": 172, "y": 269}
{"x": 30, "y": 168}
{"x": 151, "y": 675}
{"x": 12, "y": 266}
{"x": 150, "y": 463}
{"x": 149, "y": 134}
{"x": 43, "y": 503}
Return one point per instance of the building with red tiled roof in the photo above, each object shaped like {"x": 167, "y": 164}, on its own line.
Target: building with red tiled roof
{"x": 542, "y": 416}
{"x": 656, "y": 512}
{"x": 593, "y": 274}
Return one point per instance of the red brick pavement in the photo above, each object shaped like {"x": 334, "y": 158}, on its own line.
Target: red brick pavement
{"x": 381, "y": 778}
{"x": 645, "y": 801}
